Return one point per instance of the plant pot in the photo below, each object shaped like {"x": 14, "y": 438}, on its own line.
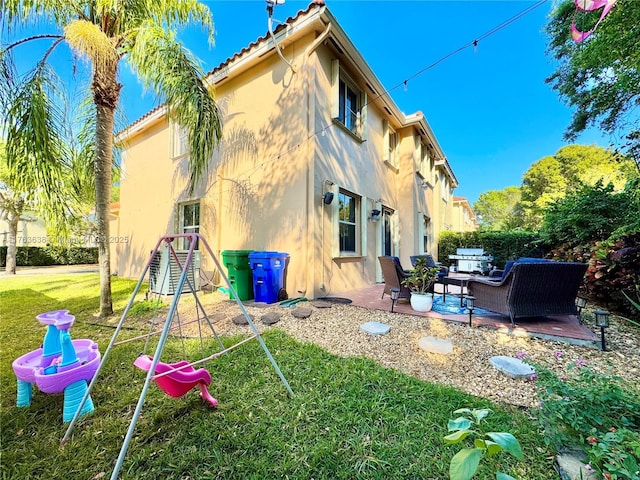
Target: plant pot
{"x": 421, "y": 302}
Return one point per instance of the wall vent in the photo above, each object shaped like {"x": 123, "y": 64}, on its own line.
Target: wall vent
{"x": 164, "y": 272}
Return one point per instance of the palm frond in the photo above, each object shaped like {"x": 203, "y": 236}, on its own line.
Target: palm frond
{"x": 28, "y": 12}
{"x": 88, "y": 40}
{"x": 35, "y": 150}
{"x": 173, "y": 74}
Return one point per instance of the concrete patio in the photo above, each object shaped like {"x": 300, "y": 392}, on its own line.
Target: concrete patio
{"x": 564, "y": 328}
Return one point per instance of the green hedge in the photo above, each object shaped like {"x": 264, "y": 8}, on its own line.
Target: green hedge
{"x": 41, "y": 256}
{"x": 502, "y": 245}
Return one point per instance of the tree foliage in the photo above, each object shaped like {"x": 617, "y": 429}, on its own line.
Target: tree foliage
{"x": 590, "y": 214}
{"x": 499, "y": 209}
{"x": 553, "y": 177}
{"x": 599, "y": 77}
{"x": 104, "y": 33}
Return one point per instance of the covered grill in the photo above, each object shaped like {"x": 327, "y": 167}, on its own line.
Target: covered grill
{"x": 472, "y": 260}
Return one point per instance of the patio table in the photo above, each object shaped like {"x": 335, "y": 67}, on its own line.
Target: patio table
{"x": 460, "y": 281}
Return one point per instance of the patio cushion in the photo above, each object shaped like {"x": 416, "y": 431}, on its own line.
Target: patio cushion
{"x": 510, "y": 264}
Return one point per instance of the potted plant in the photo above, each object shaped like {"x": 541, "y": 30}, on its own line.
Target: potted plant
{"x": 420, "y": 283}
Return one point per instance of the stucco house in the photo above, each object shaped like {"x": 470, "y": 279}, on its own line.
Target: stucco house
{"x": 317, "y": 161}
{"x": 464, "y": 218}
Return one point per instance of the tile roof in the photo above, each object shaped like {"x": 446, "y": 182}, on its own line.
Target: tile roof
{"x": 237, "y": 55}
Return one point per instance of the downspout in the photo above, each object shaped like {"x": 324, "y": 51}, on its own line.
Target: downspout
{"x": 310, "y": 184}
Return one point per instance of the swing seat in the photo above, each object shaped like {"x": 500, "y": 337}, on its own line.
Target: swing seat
{"x": 177, "y": 383}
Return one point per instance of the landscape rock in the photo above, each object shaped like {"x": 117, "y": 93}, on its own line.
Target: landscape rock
{"x": 302, "y": 312}
{"x": 375, "y": 328}
{"x": 435, "y": 345}
{"x": 512, "y": 367}
{"x": 242, "y": 320}
{"x": 271, "y": 318}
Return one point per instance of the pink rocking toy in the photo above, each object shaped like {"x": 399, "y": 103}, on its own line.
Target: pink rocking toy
{"x": 176, "y": 379}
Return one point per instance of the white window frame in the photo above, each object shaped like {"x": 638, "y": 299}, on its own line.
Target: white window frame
{"x": 425, "y": 161}
{"x": 341, "y": 84}
{"x": 190, "y": 228}
{"x": 444, "y": 187}
{"x": 390, "y": 143}
{"x": 179, "y": 141}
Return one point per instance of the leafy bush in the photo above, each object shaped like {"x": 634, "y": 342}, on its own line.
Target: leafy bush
{"x": 613, "y": 275}
{"x": 51, "y": 255}
{"x": 464, "y": 464}
{"x": 594, "y": 411}
{"x": 592, "y": 213}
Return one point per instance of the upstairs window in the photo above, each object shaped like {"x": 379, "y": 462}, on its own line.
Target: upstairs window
{"x": 179, "y": 141}
{"x": 390, "y": 144}
{"x": 349, "y": 101}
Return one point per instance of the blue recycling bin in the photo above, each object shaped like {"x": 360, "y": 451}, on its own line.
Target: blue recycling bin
{"x": 268, "y": 274}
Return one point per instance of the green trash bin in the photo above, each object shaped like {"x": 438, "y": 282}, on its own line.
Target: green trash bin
{"x": 240, "y": 273}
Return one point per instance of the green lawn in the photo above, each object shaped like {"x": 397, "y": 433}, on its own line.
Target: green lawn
{"x": 349, "y": 418}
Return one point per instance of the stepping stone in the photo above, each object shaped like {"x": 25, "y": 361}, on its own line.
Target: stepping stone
{"x": 258, "y": 304}
{"x": 321, "y": 304}
{"x": 271, "y": 318}
{"x": 217, "y": 317}
{"x": 435, "y": 345}
{"x": 242, "y": 320}
{"x": 512, "y": 367}
{"x": 302, "y": 312}
{"x": 375, "y": 328}
{"x": 572, "y": 466}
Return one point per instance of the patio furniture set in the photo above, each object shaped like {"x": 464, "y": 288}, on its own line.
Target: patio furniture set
{"x": 527, "y": 287}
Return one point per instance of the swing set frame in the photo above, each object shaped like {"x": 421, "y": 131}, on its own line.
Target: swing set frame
{"x": 167, "y": 241}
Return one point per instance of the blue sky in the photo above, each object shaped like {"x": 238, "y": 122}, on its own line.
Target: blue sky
{"x": 489, "y": 107}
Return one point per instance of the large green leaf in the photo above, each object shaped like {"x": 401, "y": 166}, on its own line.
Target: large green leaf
{"x": 457, "y": 437}
{"x": 459, "y": 423}
{"x": 480, "y": 413}
{"x": 503, "y": 476}
{"x": 465, "y": 463}
{"x": 508, "y": 442}
{"x": 492, "y": 448}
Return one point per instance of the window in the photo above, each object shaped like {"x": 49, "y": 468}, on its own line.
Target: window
{"x": 426, "y": 229}
{"x": 189, "y": 221}
{"x": 348, "y": 223}
{"x": 425, "y": 162}
{"x": 390, "y": 144}
{"x": 179, "y": 141}
{"x": 444, "y": 187}
{"x": 349, "y": 102}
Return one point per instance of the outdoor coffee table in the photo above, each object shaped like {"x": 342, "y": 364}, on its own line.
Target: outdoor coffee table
{"x": 460, "y": 281}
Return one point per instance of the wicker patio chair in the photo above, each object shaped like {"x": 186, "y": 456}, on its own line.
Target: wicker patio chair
{"x": 531, "y": 290}
{"x": 443, "y": 271}
{"x": 393, "y": 274}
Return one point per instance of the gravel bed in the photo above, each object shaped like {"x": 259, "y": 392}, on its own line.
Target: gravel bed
{"x": 337, "y": 330}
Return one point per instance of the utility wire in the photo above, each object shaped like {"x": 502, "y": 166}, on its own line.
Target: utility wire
{"x": 473, "y": 43}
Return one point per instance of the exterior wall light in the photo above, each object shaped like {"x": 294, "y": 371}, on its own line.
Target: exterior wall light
{"x": 375, "y": 215}
{"x": 602, "y": 321}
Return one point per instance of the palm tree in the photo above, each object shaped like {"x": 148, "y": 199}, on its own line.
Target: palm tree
{"x": 105, "y": 32}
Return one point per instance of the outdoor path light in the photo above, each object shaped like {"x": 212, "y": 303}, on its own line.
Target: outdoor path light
{"x": 395, "y": 294}
{"x": 581, "y": 302}
{"x": 470, "y": 301}
{"x": 602, "y": 321}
